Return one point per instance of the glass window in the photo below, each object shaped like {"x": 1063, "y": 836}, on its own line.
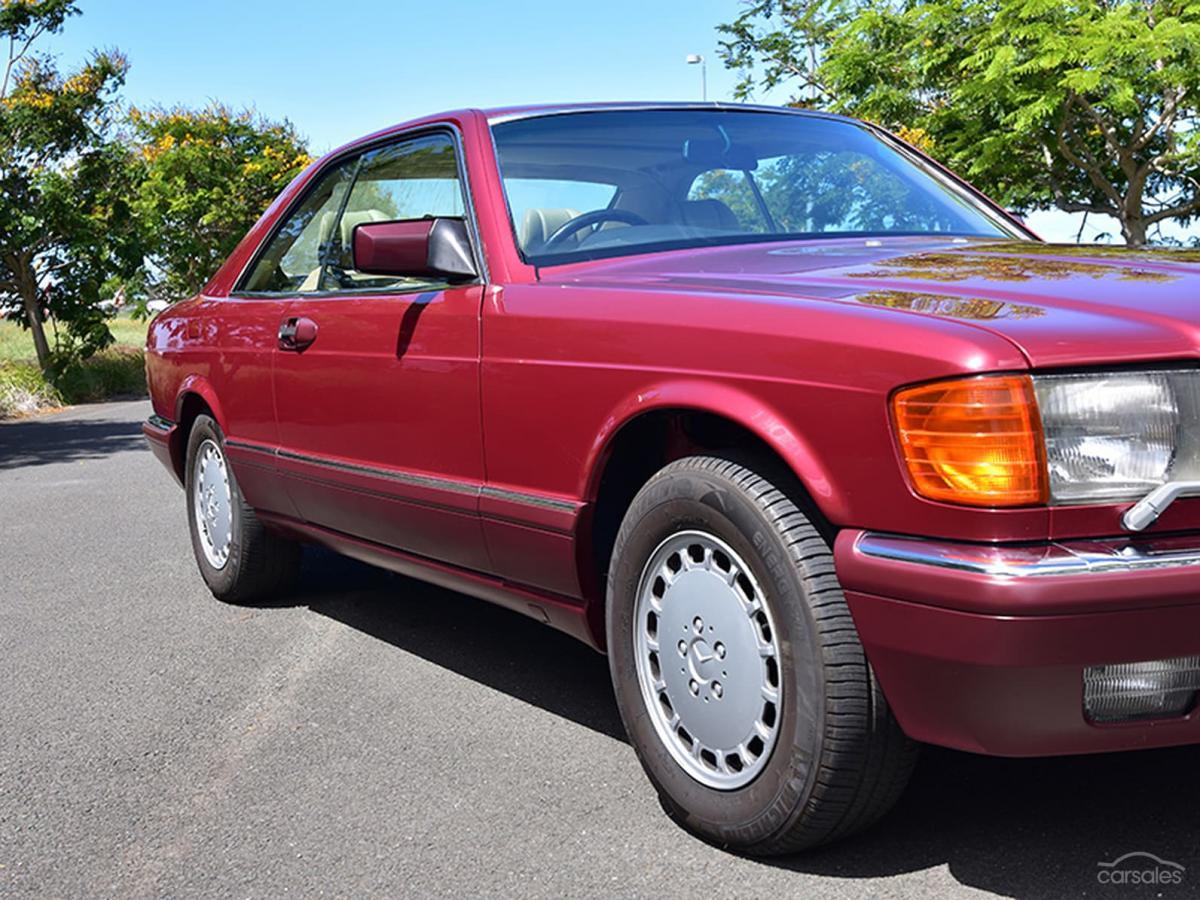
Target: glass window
{"x": 291, "y": 261}
{"x": 312, "y": 251}
{"x": 734, "y": 192}
{"x": 848, "y": 190}
{"x": 539, "y": 206}
{"x": 699, "y": 177}
{"x": 415, "y": 179}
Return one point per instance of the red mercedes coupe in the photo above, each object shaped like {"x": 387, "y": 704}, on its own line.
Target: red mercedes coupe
{"x": 830, "y": 454}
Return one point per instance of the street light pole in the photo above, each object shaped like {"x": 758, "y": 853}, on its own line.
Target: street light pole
{"x": 693, "y": 59}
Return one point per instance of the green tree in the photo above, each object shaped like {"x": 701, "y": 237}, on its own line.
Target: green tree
{"x": 1087, "y": 105}
{"x": 66, "y": 226}
{"x": 205, "y": 177}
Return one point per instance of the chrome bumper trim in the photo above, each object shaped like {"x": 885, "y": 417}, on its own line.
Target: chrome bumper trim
{"x": 1028, "y": 561}
{"x": 160, "y": 423}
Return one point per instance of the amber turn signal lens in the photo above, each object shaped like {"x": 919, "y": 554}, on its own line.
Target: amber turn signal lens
{"x": 976, "y": 441}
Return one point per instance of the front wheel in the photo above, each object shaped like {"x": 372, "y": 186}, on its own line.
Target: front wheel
{"x": 737, "y": 668}
{"x": 241, "y": 562}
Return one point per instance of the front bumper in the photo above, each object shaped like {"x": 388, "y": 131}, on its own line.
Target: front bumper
{"x": 982, "y": 647}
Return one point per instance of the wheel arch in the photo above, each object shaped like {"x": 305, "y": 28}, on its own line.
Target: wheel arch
{"x": 195, "y": 397}
{"x": 656, "y": 426}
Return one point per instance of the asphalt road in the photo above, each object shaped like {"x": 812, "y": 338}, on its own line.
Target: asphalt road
{"x": 375, "y": 736}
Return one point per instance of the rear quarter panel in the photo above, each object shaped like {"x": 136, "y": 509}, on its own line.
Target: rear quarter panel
{"x": 221, "y": 351}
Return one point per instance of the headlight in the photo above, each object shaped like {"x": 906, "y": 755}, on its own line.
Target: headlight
{"x": 1019, "y": 440}
{"x": 1113, "y": 436}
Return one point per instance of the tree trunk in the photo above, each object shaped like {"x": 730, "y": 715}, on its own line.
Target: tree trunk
{"x": 31, "y": 299}
{"x": 1134, "y": 229}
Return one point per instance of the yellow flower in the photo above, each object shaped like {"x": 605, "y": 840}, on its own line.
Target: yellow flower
{"x": 31, "y": 97}
{"x": 84, "y": 82}
{"x": 918, "y": 137}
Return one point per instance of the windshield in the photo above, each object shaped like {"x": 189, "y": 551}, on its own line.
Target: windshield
{"x": 592, "y": 184}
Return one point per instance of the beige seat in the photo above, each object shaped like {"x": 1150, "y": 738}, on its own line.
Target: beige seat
{"x": 350, "y": 218}
{"x": 539, "y": 224}
{"x": 710, "y": 214}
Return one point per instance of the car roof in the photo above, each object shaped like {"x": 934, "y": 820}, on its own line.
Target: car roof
{"x": 499, "y": 115}
{"x": 509, "y": 113}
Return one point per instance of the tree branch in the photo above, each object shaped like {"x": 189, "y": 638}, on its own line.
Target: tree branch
{"x": 1060, "y": 197}
{"x": 1179, "y": 211}
{"x": 17, "y": 56}
{"x": 1118, "y": 153}
{"x": 1165, "y": 119}
{"x": 807, "y": 77}
{"x": 1085, "y": 161}
{"x": 1074, "y": 206}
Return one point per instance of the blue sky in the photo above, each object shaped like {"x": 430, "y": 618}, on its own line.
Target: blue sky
{"x": 380, "y": 62}
{"x": 340, "y": 70}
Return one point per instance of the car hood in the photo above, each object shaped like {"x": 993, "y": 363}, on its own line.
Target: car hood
{"x": 1062, "y": 305}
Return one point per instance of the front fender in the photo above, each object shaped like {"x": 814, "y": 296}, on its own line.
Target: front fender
{"x": 732, "y": 403}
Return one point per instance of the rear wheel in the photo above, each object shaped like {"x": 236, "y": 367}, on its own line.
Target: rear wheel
{"x": 240, "y": 561}
{"x": 737, "y": 667}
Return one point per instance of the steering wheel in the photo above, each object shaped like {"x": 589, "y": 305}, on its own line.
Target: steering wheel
{"x": 590, "y": 219}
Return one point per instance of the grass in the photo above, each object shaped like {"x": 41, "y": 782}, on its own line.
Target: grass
{"x": 113, "y": 372}
{"x": 15, "y": 342}
{"x": 128, "y": 332}
{"x": 24, "y": 390}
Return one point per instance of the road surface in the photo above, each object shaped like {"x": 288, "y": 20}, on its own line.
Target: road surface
{"x": 375, "y": 736}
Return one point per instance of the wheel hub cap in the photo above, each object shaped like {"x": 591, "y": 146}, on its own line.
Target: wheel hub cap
{"x": 213, "y": 504}
{"x": 707, "y": 659}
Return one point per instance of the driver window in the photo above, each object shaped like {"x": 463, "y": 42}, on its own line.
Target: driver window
{"x": 291, "y": 261}
{"x": 311, "y": 251}
{"x": 415, "y": 179}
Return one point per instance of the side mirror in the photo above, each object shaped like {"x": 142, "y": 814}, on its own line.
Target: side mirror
{"x": 419, "y": 248}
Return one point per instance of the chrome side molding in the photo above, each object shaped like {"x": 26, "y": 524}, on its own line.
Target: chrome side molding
{"x": 1143, "y": 513}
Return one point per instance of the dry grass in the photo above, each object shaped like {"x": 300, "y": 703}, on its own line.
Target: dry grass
{"x": 16, "y": 345}
{"x": 114, "y": 372}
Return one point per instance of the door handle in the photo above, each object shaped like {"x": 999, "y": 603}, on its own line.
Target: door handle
{"x": 297, "y": 333}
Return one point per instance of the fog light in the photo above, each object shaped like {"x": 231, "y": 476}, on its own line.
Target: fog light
{"x": 1146, "y": 690}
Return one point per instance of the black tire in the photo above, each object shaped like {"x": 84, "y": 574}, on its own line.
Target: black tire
{"x": 840, "y": 760}
{"x": 260, "y": 564}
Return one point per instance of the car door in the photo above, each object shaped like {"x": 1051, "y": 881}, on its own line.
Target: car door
{"x": 377, "y": 382}
{"x": 246, "y": 326}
